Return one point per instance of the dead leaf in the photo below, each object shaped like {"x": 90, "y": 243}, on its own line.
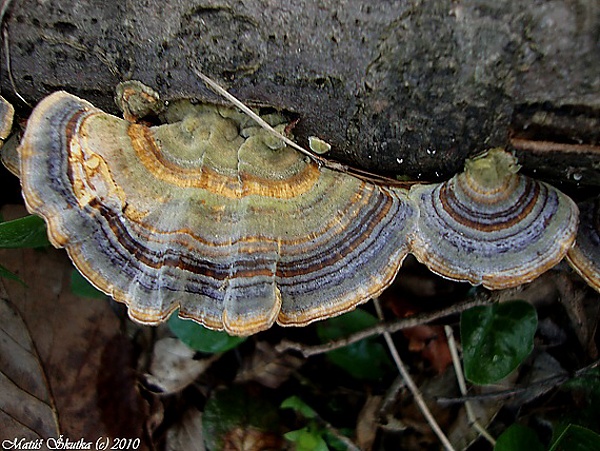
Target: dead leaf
{"x": 187, "y": 432}
{"x": 69, "y": 333}
{"x": 26, "y": 406}
{"x": 542, "y": 367}
{"x": 431, "y": 342}
{"x": 120, "y": 402}
{"x": 267, "y": 366}
{"x": 368, "y": 422}
{"x": 173, "y": 366}
{"x": 250, "y": 439}
{"x": 405, "y": 416}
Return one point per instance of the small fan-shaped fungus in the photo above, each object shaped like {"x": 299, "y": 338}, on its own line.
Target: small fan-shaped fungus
{"x": 584, "y": 256}
{"x": 492, "y": 226}
{"x": 209, "y": 215}
{"x": 136, "y": 100}
{"x": 7, "y": 113}
{"x": 8, "y": 153}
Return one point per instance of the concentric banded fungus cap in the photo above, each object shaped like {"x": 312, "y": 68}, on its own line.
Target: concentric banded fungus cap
{"x": 492, "y": 226}
{"x": 209, "y": 216}
{"x": 7, "y": 113}
{"x": 8, "y": 155}
{"x": 584, "y": 256}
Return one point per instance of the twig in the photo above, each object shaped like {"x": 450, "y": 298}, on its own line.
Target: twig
{"x": 552, "y": 381}
{"x": 3, "y": 9}
{"x": 550, "y": 146}
{"x": 350, "y": 445}
{"x": 411, "y": 384}
{"x": 463, "y": 386}
{"x": 321, "y": 161}
{"x": 9, "y": 69}
{"x": 380, "y": 328}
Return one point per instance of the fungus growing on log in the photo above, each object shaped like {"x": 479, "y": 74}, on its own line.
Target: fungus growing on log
{"x": 584, "y": 256}
{"x": 492, "y": 226}
{"x": 208, "y": 214}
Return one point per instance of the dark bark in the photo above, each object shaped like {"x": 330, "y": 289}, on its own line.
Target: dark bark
{"x": 405, "y": 87}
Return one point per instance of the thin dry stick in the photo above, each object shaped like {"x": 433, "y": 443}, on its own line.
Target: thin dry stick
{"x": 550, "y": 146}
{"x": 350, "y": 446}
{"x": 463, "y": 386}
{"x": 378, "y": 329}
{"x": 552, "y": 381}
{"x": 3, "y": 9}
{"x": 411, "y": 384}
{"x": 215, "y": 86}
{"x": 9, "y": 69}
{"x": 334, "y": 165}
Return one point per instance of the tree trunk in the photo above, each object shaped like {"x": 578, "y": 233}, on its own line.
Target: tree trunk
{"x": 404, "y": 87}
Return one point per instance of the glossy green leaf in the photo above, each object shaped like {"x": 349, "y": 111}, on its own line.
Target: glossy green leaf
{"x": 10, "y": 275}
{"x": 496, "y": 339}
{"x": 200, "y": 338}
{"x": 576, "y": 438}
{"x": 81, "y": 287}
{"x": 366, "y": 359}
{"x": 29, "y": 231}
{"x": 518, "y": 438}
{"x": 229, "y": 411}
{"x": 306, "y": 439}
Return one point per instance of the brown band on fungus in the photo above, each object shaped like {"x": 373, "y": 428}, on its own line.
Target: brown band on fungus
{"x": 503, "y": 241}
{"x": 235, "y": 237}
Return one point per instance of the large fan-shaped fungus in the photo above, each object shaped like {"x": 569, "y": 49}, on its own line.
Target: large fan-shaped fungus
{"x": 584, "y": 256}
{"x": 492, "y": 226}
{"x": 208, "y": 215}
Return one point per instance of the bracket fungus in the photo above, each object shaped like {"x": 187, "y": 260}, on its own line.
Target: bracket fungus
{"x": 584, "y": 256}
{"x": 7, "y": 113}
{"x": 216, "y": 217}
{"x": 8, "y": 153}
{"x": 209, "y": 215}
{"x": 492, "y": 226}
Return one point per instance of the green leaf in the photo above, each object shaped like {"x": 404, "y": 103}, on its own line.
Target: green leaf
{"x": 81, "y": 287}
{"x": 576, "y": 438}
{"x": 306, "y": 439}
{"x": 518, "y": 438}
{"x": 29, "y": 231}
{"x": 496, "y": 339}
{"x": 366, "y": 359}
{"x": 588, "y": 381}
{"x": 200, "y": 338}
{"x": 10, "y": 275}
{"x": 586, "y": 387}
{"x": 299, "y": 406}
{"x": 334, "y": 442}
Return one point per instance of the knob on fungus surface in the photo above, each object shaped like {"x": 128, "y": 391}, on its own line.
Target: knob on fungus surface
{"x": 206, "y": 214}
{"x": 490, "y": 225}
{"x": 584, "y": 256}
